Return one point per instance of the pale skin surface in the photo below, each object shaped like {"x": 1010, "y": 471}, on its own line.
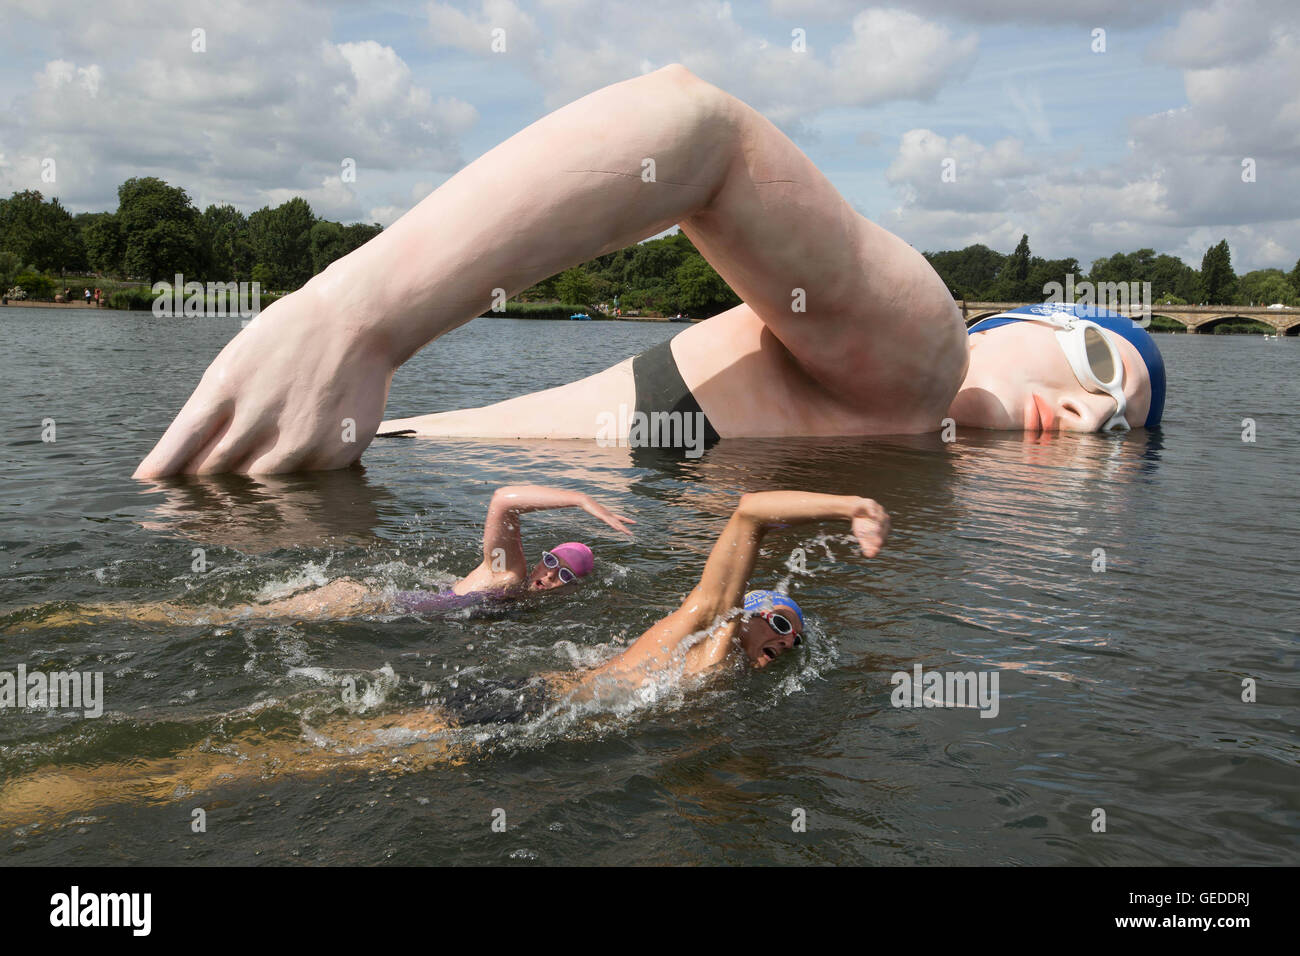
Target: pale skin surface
{"x": 697, "y": 640}
{"x": 878, "y": 348}
{"x": 503, "y": 571}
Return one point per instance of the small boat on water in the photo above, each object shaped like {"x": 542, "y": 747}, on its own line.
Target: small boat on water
{"x": 580, "y": 317}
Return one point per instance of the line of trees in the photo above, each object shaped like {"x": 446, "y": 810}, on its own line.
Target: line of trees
{"x": 157, "y": 232}
{"x": 978, "y": 273}
{"x": 661, "y": 276}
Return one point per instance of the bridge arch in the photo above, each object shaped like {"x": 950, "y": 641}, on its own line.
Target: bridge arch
{"x": 1207, "y": 327}
{"x": 1168, "y": 324}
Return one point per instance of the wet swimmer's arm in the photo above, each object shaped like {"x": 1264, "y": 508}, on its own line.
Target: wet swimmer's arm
{"x": 504, "y": 561}
{"x": 726, "y": 575}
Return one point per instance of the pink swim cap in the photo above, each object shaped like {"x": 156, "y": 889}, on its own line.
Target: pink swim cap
{"x": 576, "y": 555}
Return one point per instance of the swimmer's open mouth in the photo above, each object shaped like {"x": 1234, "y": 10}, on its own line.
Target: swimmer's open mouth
{"x": 771, "y": 654}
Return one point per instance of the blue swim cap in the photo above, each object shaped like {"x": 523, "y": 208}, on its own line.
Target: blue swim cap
{"x": 771, "y": 601}
{"x": 1126, "y": 329}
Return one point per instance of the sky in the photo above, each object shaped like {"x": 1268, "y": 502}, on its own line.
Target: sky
{"x": 1095, "y": 126}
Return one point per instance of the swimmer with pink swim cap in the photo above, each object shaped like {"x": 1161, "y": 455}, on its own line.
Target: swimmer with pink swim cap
{"x": 504, "y": 571}
{"x": 502, "y": 575}
{"x": 569, "y": 561}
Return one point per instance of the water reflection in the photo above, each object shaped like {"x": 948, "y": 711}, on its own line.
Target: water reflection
{"x": 268, "y": 512}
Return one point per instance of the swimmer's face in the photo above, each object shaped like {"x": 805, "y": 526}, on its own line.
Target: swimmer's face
{"x": 1020, "y": 380}
{"x": 543, "y": 578}
{"x": 762, "y": 644}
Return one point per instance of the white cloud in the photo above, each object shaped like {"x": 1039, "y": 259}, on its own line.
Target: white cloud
{"x": 386, "y": 215}
{"x": 1227, "y": 31}
{"x": 893, "y": 54}
{"x": 1103, "y": 13}
{"x": 984, "y": 176}
{"x": 1178, "y": 188}
{"x": 450, "y": 26}
{"x": 332, "y": 199}
{"x": 880, "y": 55}
{"x": 270, "y": 109}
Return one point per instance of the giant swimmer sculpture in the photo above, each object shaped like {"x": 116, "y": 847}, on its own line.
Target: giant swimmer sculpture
{"x": 844, "y": 328}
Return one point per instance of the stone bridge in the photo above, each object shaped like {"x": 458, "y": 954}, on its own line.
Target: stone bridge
{"x": 1194, "y": 318}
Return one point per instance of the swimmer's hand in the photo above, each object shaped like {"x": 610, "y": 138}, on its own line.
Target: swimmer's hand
{"x": 300, "y": 388}
{"x": 870, "y": 526}
{"x": 615, "y": 521}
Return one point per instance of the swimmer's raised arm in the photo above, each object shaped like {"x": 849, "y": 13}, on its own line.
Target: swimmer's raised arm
{"x": 726, "y": 575}
{"x": 504, "y": 561}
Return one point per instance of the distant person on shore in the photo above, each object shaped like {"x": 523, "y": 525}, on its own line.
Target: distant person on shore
{"x": 720, "y": 627}
{"x": 503, "y": 575}
{"x": 98, "y": 294}
{"x": 844, "y": 329}
{"x": 87, "y": 296}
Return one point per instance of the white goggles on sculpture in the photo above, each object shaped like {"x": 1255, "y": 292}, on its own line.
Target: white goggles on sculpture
{"x": 1092, "y": 355}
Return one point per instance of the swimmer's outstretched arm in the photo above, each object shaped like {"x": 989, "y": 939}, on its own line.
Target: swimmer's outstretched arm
{"x": 726, "y": 574}
{"x": 504, "y": 562}
{"x": 304, "y": 385}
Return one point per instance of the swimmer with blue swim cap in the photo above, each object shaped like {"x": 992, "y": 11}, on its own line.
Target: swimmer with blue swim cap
{"x": 1061, "y": 367}
{"x": 759, "y": 626}
{"x": 774, "y": 626}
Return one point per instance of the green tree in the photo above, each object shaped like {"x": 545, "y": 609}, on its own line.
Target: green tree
{"x": 1019, "y": 264}
{"x": 1169, "y": 276}
{"x": 40, "y": 233}
{"x": 159, "y": 228}
{"x": 700, "y": 289}
{"x": 1217, "y": 277}
{"x": 573, "y": 286}
{"x": 1012, "y": 283}
{"x": 543, "y": 291}
{"x": 1045, "y": 271}
{"x": 331, "y": 240}
{"x": 969, "y": 273}
{"x": 264, "y": 275}
{"x": 359, "y": 233}
{"x": 102, "y": 239}
{"x": 227, "y": 250}
{"x": 1125, "y": 267}
{"x": 36, "y": 286}
{"x": 1174, "y": 277}
{"x": 1295, "y": 277}
{"x": 10, "y": 266}
{"x": 1264, "y": 287}
{"x": 326, "y": 244}
{"x": 281, "y": 240}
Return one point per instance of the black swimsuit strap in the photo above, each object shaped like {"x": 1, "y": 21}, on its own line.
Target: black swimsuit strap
{"x": 660, "y": 387}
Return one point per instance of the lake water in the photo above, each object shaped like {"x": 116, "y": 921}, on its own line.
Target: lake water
{"x": 1120, "y": 690}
